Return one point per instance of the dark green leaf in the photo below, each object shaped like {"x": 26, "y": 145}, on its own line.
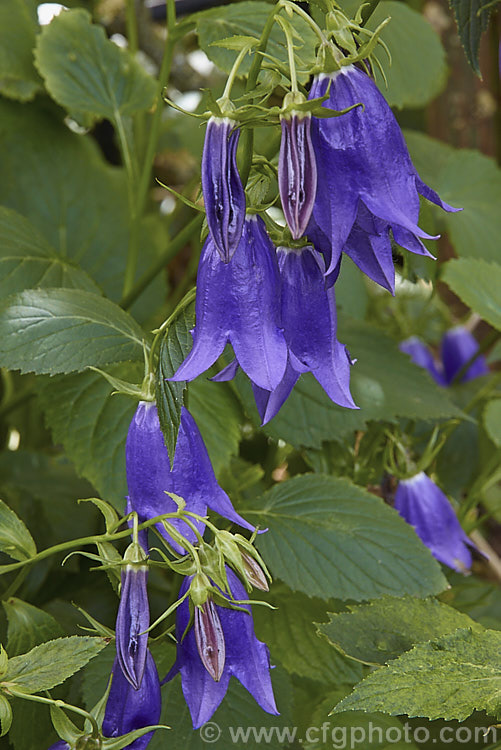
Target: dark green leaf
{"x": 15, "y": 539}
{"x": 329, "y": 538}
{"x": 492, "y": 421}
{"x": 477, "y": 283}
{"x": 472, "y": 18}
{"x": 28, "y": 626}
{"x": 85, "y": 72}
{"x": 18, "y": 28}
{"x": 383, "y": 629}
{"x": 60, "y": 331}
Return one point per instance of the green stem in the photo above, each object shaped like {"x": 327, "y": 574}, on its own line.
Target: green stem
{"x": 368, "y": 11}
{"x": 309, "y": 20}
{"x": 58, "y": 703}
{"x": 132, "y": 27}
{"x": 290, "y": 52}
{"x": 179, "y": 241}
{"x": 233, "y": 72}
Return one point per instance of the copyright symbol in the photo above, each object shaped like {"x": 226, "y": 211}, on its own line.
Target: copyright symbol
{"x": 210, "y": 732}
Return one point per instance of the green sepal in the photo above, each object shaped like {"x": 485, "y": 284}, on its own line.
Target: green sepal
{"x": 125, "y": 740}
{"x": 64, "y": 727}
{"x": 111, "y": 518}
{"x": 5, "y": 715}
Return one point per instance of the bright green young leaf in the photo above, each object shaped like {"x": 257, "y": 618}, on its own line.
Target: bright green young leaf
{"x": 61, "y": 331}
{"x": 86, "y": 72}
{"x": 466, "y": 179}
{"x": 15, "y": 539}
{"x": 18, "y": 28}
{"x": 385, "y": 628}
{"x": 329, "y": 538}
{"x": 476, "y": 283}
{"x": 290, "y": 634}
{"x": 472, "y": 18}
{"x": 28, "y": 626}
{"x": 51, "y": 663}
{"x": 492, "y": 421}
{"x": 447, "y": 678}
{"x": 174, "y": 347}
{"x": 92, "y": 426}
{"x": 28, "y": 261}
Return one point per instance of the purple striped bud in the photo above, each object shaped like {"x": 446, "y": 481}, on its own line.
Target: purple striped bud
{"x": 254, "y": 572}
{"x": 224, "y": 195}
{"x": 210, "y": 639}
{"x": 133, "y": 617}
{"x": 297, "y": 172}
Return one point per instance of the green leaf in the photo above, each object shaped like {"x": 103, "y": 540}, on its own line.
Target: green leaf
{"x": 92, "y": 427}
{"x": 466, "y": 179}
{"x": 28, "y": 626}
{"x": 174, "y": 347}
{"x": 51, "y": 663}
{"x": 384, "y": 383}
{"x": 5, "y": 715}
{"x": 28, "y": 261}
{"x": 18, "y": 28}
{"x": 386, "y": 627}
{"x": 60, "y": 331}
{"x": 329, "y": 538}
{"x": 472, "y": 18}
{"x": 477, "y": 284}
{"x": 85, "y": 72}
{"x": 448, "y": 678}
{"x": 15, "y": 539}
{"x": 492, "y": 421}
{"x": 289, "y": 632}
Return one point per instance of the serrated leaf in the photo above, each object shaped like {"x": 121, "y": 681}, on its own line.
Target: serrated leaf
{"x": 18, "y": 28}
{"x": 174, "y": 347}
{"x": 28, "y": 261}
{"x": 28, "y": 626}
{"x": 15, "y": 539}
{"x": 477, "y": 284}
{"x": 386, "y": 627}
{"x": 85, "y": 72}
{"x": 92, "y": 426}
{"x": 329, "y": 538}
{"x": 289, "y": 632}
{"x": 492, "y": 421}
{"x": 62, "y": 331}
{"x": 51, "y": 663}
{"x": 472, "y": 18}
{"x": 447, "y": 678}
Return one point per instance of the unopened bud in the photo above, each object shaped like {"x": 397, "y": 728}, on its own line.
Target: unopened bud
{"x": 210, "y": 639}
{"x": 199, "y": 589}
{"x": 297, "y": 172}
{"x": 254, "y": 572}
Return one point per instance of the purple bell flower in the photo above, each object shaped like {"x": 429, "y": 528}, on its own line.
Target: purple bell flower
{"x": 423, "y": 505}
{"x": 224, "y": 195}
{"x": 192, "y": 477}
{"x": 367, "y": 183}
{"x": 61, "y": 745}
{"x": 133, "y": 619}
{"x": 128, "y": 709}
{"x": 297, "y": 172}
{"x": 246, "y": 658}
{"x": 457, "y": 347}
{"x": 238, "y": 302}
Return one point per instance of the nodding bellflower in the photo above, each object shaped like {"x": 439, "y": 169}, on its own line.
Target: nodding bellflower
{"x": 297, "y": 172}
{"x": 238, "y": 302}
{"x": 367, "y": 184}
{"x": 457, "y": 347}
{"x": 133, "y": 617}
{"x": 423, "y": 505}
{"x": 128, "y": 709}
{"x": 192, "y": 477}
{"x": 245, "y": 657}
{"x": 224, "y": 195}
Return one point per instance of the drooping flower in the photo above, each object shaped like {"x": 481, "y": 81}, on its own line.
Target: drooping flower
{"x": 133, "y": 617}
{"x": 128, "y": 709}
{"x": 457, "y": 347}
{"x": 367, "y": 183}
{"x": 149, "y": 475}
{"x": 246, "y": 658}
{"x": 224, "y": 195}
{"x": 423, "y": 505}
{"x": 308, "y": 318}
{"x": 297, "y": 172}
{"x": 238, "y": 302}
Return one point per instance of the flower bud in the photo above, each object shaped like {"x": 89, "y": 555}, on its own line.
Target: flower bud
{"x": 254, "y": 572}
{"x": 210, "y": 639}
{"x": 133, "y": 617}
{"x": 297, "y": 172}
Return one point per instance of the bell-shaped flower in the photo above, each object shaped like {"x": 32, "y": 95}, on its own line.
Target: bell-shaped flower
{"x": 149, "y": 475}
{"x": 457, "y": 347}
{"x": 128, "y": 709}
{"x": 238, "y": 302}
{"x": 246, "y": 658}
{"x": 133, "y": 617}
{"x": 224, "y": 195}
{"x": 297, "y": 172}
{"x": 367, "y": 183}
{"x": 423, "y": 505}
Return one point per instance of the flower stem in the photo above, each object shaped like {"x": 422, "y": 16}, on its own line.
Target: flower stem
{"x": 368, "y": 10}
{"x": 290, "y": 51}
